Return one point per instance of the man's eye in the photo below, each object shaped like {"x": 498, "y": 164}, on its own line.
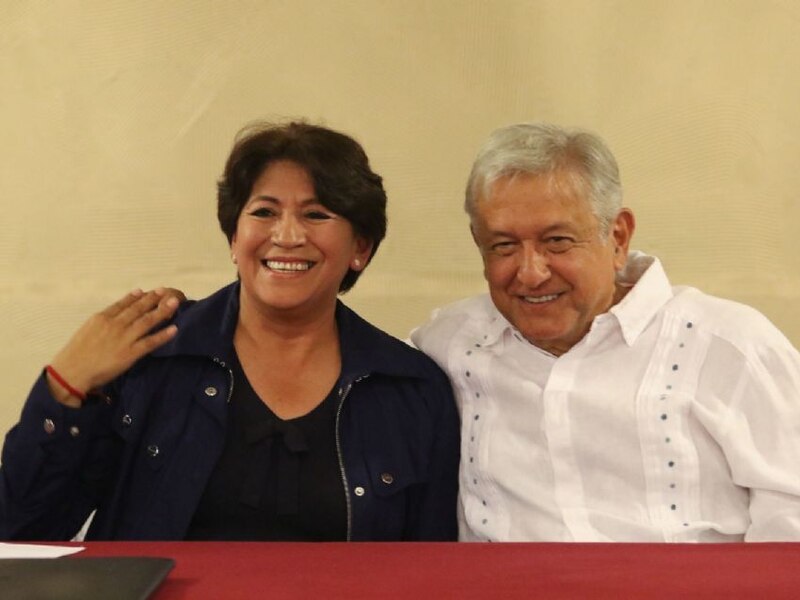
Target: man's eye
{"x": 559, "y": 244}
{"x": 503, "y": 248}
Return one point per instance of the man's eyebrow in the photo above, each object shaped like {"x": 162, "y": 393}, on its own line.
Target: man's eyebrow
{"x": 560, "y": 226}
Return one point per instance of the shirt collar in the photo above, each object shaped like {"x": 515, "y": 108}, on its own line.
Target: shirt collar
{"x": 650, "y": 290}
{"x": 496, "y": 328}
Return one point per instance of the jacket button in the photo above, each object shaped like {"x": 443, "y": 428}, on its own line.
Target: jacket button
{"x": 49, "y": 426}
{"x": 152, "y": 450}
{"x": 127, "y": 420}
{"x": 359, "y": 491}
{"x": 74, "y": 431}
{"x": 211, "y": 391}
{"x": 387, "y": 478}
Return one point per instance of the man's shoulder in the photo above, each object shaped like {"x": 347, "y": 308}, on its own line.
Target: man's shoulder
{"x": 475, "y": 309}
{"x": 461, "y": 319}
{"x": 732, "y": 321}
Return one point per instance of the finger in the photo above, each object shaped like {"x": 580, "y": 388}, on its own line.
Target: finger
{"x": 150, "y": 319}
{"x": 143, "y": 305}
{"x": 148, "y": 343}
{"x": 168, "y": 291}
{"x": 123, "y": 303}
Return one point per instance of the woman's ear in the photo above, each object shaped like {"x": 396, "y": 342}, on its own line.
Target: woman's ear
{"x": 361, "y": 255}
{"x": 234, "y": 260}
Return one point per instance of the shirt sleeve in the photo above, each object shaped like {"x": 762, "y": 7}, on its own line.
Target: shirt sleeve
{"x": 761, "y": 438}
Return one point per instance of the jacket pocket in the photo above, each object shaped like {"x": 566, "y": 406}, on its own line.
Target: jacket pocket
{"x": 388, "y": 478}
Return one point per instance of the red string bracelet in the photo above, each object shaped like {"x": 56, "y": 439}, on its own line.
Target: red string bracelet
{"x": 63, "y": 383}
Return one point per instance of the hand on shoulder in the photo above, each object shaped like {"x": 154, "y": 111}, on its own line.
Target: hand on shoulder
{"x": 110, "y": 341}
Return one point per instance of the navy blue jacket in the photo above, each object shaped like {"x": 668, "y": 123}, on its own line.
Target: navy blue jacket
{"x": 142, "y": 456}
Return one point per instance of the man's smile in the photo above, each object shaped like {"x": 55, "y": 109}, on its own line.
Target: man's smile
{"x": 540, "y": 299}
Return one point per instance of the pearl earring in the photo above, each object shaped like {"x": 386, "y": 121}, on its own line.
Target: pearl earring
{"x": 233, "y": 259}
{"x": 356, "y": 264}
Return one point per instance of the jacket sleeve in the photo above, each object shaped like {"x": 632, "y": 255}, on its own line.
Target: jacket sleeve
{"x": 437, "y": 501}
{"x": 56, "y": 464}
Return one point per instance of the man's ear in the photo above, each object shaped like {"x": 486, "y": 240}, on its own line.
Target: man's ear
{"x": 621, "y": 233}
{"x": 473, "y": 230}
{"x": 472, "y": 233}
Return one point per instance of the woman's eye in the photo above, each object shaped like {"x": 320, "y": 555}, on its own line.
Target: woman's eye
{"x": 261, "y": 211}
{"x": 318, "y": 215}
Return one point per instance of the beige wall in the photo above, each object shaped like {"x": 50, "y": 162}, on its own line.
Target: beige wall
{"x": 116, "y": 116}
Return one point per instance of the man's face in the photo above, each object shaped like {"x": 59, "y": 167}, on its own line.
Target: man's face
{"x": 550, "y": 272}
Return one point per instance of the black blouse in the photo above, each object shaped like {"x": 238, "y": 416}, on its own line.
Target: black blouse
{"x": 275, "y": 480}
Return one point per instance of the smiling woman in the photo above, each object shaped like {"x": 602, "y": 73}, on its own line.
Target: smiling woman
{"x": 293, "y": 252}
{"x": 267, "y": 411}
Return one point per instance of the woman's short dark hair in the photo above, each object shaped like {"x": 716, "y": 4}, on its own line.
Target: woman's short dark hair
{"x": 338, "y": 166}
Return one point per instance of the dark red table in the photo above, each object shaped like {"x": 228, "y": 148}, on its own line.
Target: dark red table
{"x": 227, "y": 571}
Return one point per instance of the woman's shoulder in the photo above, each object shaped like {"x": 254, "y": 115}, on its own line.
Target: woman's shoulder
{"x": 365, "y": 347}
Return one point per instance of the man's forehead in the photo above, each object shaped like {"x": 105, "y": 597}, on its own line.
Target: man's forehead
{"x": 524, "y": 206}
{"x": 562, "y": 183}
{"x": 526, "y": 194}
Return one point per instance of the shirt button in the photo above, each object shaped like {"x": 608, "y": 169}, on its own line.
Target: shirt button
{"x": 49, "y": 426}
{"x": 152, "y": 450}
{"x": 387, "y": 478}
{"x": 127, "y": 420}
{"x": 74, "y": 431}
{"x": 211, "y": 391}
{"x": 359, "y": 491}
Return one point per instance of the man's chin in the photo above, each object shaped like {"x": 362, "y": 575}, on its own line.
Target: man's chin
{"x": 554, "y": 341}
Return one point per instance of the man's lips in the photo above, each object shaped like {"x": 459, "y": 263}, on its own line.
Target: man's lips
{"x": 541, "y": 298}
{"x": 287, "y": 266}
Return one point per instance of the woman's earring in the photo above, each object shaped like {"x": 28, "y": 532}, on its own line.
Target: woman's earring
{"x": 357, "y": 263}
{"x": 233, "y": 259}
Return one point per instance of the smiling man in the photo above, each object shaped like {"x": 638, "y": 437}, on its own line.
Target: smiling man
{"x": 598, "y": 402}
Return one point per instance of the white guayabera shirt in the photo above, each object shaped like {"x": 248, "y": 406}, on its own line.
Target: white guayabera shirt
{"x": 676, "y": 418}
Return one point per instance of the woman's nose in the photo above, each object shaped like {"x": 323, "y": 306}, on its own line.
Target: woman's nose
{"x": 288, "y": 231}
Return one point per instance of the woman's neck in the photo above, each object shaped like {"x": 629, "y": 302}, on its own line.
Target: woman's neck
{"x": 274, "y": 329}
{"x": 291, "y": 363}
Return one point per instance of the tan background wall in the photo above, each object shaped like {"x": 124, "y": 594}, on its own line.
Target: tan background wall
{"x": 116, "y": 117}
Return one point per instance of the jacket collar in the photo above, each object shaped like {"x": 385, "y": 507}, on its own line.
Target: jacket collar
{"x": 368, "y": 350}
{"x": 206, "y": 328}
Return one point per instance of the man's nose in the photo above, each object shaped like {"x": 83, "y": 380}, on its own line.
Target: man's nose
{"x": 288, "y": 232}
{"x": 534, "y": 268}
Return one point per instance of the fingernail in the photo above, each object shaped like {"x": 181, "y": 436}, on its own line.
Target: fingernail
{"x": 172, "y": 302}
{"x": 137, "y": 292}
{"x": 159, "y": 291}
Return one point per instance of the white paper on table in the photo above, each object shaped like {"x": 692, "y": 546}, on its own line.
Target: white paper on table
{"x": 36, "y": 551}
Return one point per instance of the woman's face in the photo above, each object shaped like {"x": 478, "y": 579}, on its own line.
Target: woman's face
{"x": 291, "y": 251}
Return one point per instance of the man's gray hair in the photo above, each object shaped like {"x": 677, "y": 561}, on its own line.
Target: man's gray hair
{"x": 545, "y": 149}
